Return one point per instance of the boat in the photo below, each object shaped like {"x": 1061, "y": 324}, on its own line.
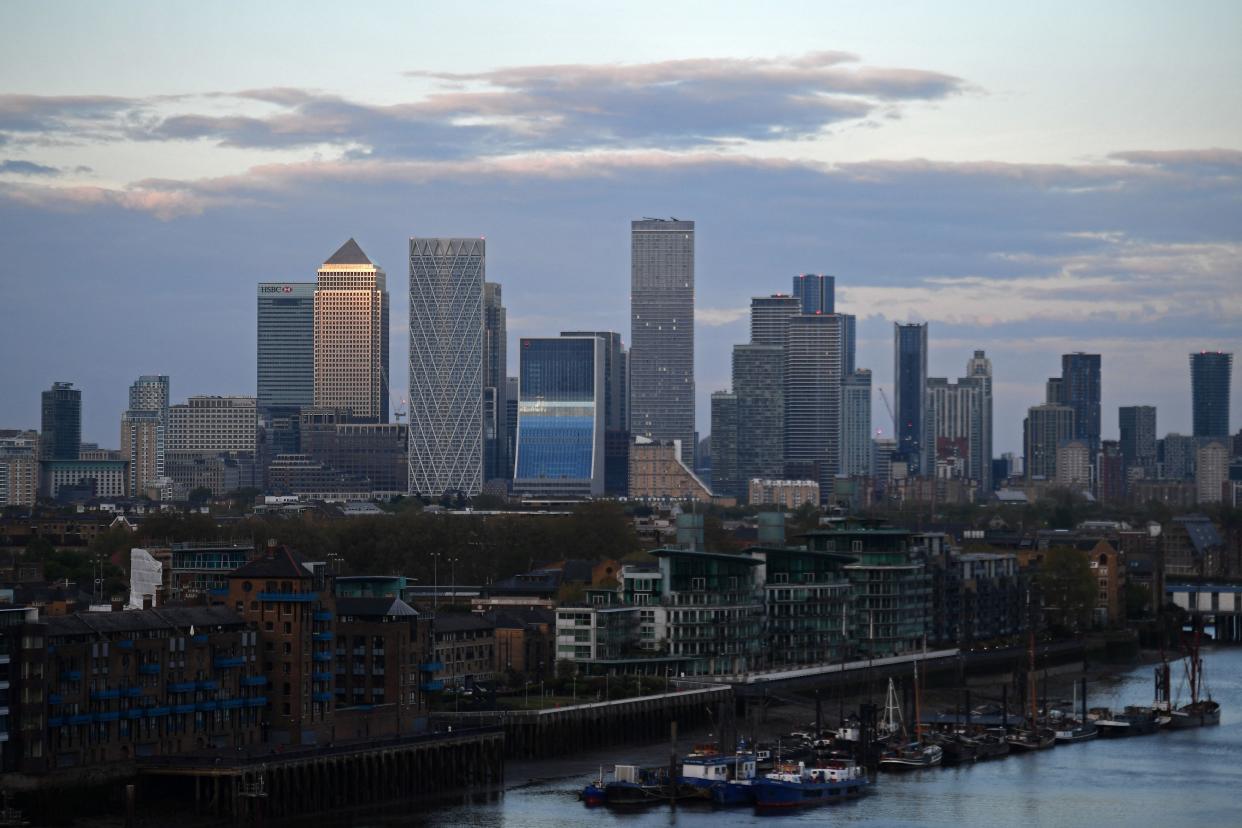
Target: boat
{"x": 593, "y": 794}
{"x": 1200, "y": 712}
{"x": 797, "y": 786}
{"x": 958, "y": 748}
{"x": 1031, "y": 739}
{"x": 1080, "y": 728}
{"x": 900, "y": 754}
{"x": 991, "y": 744}
{"x": 724, "y": 779}
{"x": 633, "y": 785}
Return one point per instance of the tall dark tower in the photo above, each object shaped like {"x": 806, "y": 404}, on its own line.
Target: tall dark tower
{"x": 910, "y": 391}
{"x": 1080, "y": 390}
{"x": 61, "y": 438}
{"x": 1209, "y": 387}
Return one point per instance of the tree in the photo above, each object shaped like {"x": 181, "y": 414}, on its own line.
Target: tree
{"x": 198, "y": 497}
{"x": 805, "y": 518}
{"x": 1068, "y": 586}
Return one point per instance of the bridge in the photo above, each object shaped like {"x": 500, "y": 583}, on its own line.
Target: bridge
{"x": 1221, "y": 601}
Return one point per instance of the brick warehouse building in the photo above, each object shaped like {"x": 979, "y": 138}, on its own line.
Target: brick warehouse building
{"x": 271, "y": 663}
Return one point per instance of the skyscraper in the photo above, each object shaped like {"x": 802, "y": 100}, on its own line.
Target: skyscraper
{"x": 1080, "y": 390}
{"x": 142, "y": 444}
{"x": 446, "y": 365}
{"x": 1209, "y": 385}
{"x": 814, "y": 363}
{"x": 856, "y": 448}
{"x": 769, "y": 318}
{"x": 955, "y": 424}
{"x": 61, "y": 435}
{"x": 351, "y": 335}
{"x": 759, "y": 385}
{"x": 816, "y": 292}
{"x": 286, "y": 345}
{"x": 150, "y": 393}
{"x": 1046, "y": 427}
{"x": 560, "y": 432}
{"x": 1137, "y": 424}
{"x": 725, "y": 428}
{"x": 979, "y": 370}
{"x": 910, "y": 393}
{"x": 495, "y": 368}
{"x": 662, "y": 332}
{"x": 616, "y": 415}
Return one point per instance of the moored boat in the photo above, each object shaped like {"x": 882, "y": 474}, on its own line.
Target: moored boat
{"x": 912, "y": 756}
{"x": 797, "y": 786}
{"x": 991, "y": 744}
{"x": 1028, "y": 739}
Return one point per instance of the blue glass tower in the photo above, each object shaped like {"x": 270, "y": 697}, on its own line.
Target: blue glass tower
{"x": 560, "y": 422}
{"x": 1209, "y": 386}
{"x": 816, "y": 292}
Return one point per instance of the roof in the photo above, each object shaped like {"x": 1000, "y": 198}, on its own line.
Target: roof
{"x": 348, "y": 254}
{"x": 539, "y": 582}
{"x": 132, "y": 621}
{"x": 1202, "y": 531}
{"x": 801, "y": 550}
{"x": 459, "y": 621}
{"x": 277, "y": 562}
{"x": 521, "y": 617}
{"x": 668, "y": 552}
{"x": 375, "y": 607}
{"x": 1011, "y": 496}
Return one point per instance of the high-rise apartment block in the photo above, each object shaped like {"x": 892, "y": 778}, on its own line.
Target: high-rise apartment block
{"x": 856, "y": 424}
{"x": 150, "y": 393}
{"x": 759, "y": 385}
{"x": 495, "y": 370}
{"x": 662, "y": 332}
{"x": 769, "y": 318}
{"x": 1211, "y": 470}
{"x": 1210, "y": 374}
{"x": 1080, "y": 390}
{"x": 286, "y": 343}
{"x": 1073, "y": 465}
{"x": 19, "y": 467}
{"x": 446, "y": 365}
{"x": 725, "y": 427}
{"x": 351, "y": 335}
{"x": 910, "y": 394}
{"x": 142, "y": 445}
{"x": 979, "y": 371}
{"x": 1046, "y": 427}
{"x": 560, "y": 426}
{"x": 814, "y": 372}
{"x": 816, "y": 293}
{"x": 1137, "y": 424}
{"x": 61, "y": 435}
{"x": 959, "y": 418}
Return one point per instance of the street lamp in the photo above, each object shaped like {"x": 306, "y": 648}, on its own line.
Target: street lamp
{"x": 435, "y": 582}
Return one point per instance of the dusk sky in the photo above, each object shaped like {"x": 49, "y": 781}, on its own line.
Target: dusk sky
{"x": 1031, "y": 179}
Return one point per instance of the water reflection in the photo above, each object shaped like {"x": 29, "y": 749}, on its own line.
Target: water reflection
{"x": 1189, "y": 777}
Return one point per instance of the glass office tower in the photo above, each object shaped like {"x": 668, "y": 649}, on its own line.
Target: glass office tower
{"x": 560, "y": 422}
{"x": 1209, "y": 386}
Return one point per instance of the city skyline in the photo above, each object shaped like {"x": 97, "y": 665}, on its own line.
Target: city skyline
{"x": 1026, "y": 208}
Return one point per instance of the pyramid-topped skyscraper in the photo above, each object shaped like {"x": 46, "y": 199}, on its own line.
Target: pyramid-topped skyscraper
{"x": 351, "y": 335}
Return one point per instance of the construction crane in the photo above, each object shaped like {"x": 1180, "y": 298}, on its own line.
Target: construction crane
{"x": 891, "y": 415}
{"x": 398, "y": 413}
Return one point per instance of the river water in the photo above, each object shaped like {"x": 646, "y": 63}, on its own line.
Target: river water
{"x": 1173, "y": 778}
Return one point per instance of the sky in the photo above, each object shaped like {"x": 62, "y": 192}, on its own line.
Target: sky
{"x": 1028, "y": 179}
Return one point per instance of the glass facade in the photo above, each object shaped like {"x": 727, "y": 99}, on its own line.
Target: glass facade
{"x": 816, "y": 292}
{"x": 910, "y": 393}
{"x": 1209, "y": 386}
{"x": 560, "y": 416}
{"x": 286, "y": 345}
{"x": 1080, "y": 390}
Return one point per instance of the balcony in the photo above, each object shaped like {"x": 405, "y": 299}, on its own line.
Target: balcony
{"x": 133, "y": 713}
{"x": 183, "y": 708}
{"x": 321, "y": 636}
{"x": 53, "y": 698}
{"x": 125, "y": 644}
{"x": 433, "y": 686}
{"x": 71, "y": 675}
{"x": 210, "y": 704}
{"x": 321, "y": 615}
{"x": 158, "y": 711}
{"x": 231, "y": 704}
{"x": 257, "y": 701}
{"x": 107, "y": 716}
{"x": 131, "y": 692}
{"x": 431, "y": 666}
{"x": 224, "y": 662}
{"x": 296, "y": 597}
{"x": 103, "y": 695}
{"x": 209, "y": 684}
{"x": 253, "y": 681}
{"x": 321, "y": 657}
{"x": 321, "y": 676}
{"x": 149, "y": 669}
{"x": 199, "y": 638}
{"x": 55, "y": 721}
{"x": 321, "y": 697}
{"x": 79, "y": 719}
{"x": 180, "y": 687}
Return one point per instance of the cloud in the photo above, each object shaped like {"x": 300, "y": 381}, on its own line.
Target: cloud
{"x": 15, "y": 167}
{"x": 1216, "y": 161}
{"x": 715, "y": 317}
{"x": 679, "y": 104}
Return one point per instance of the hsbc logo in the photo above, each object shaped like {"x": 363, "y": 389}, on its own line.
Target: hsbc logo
{"x": 275, "y": 289}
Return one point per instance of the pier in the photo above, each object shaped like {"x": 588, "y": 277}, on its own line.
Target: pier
{"x": 557, "y": 731}
{"x": 319, "y": 779}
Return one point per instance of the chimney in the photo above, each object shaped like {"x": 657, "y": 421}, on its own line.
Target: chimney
{"x": 146, "y": 602}
{"x": 271, "y": 547}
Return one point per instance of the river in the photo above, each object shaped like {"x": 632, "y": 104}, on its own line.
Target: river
{"x": 1172, "y": 778}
